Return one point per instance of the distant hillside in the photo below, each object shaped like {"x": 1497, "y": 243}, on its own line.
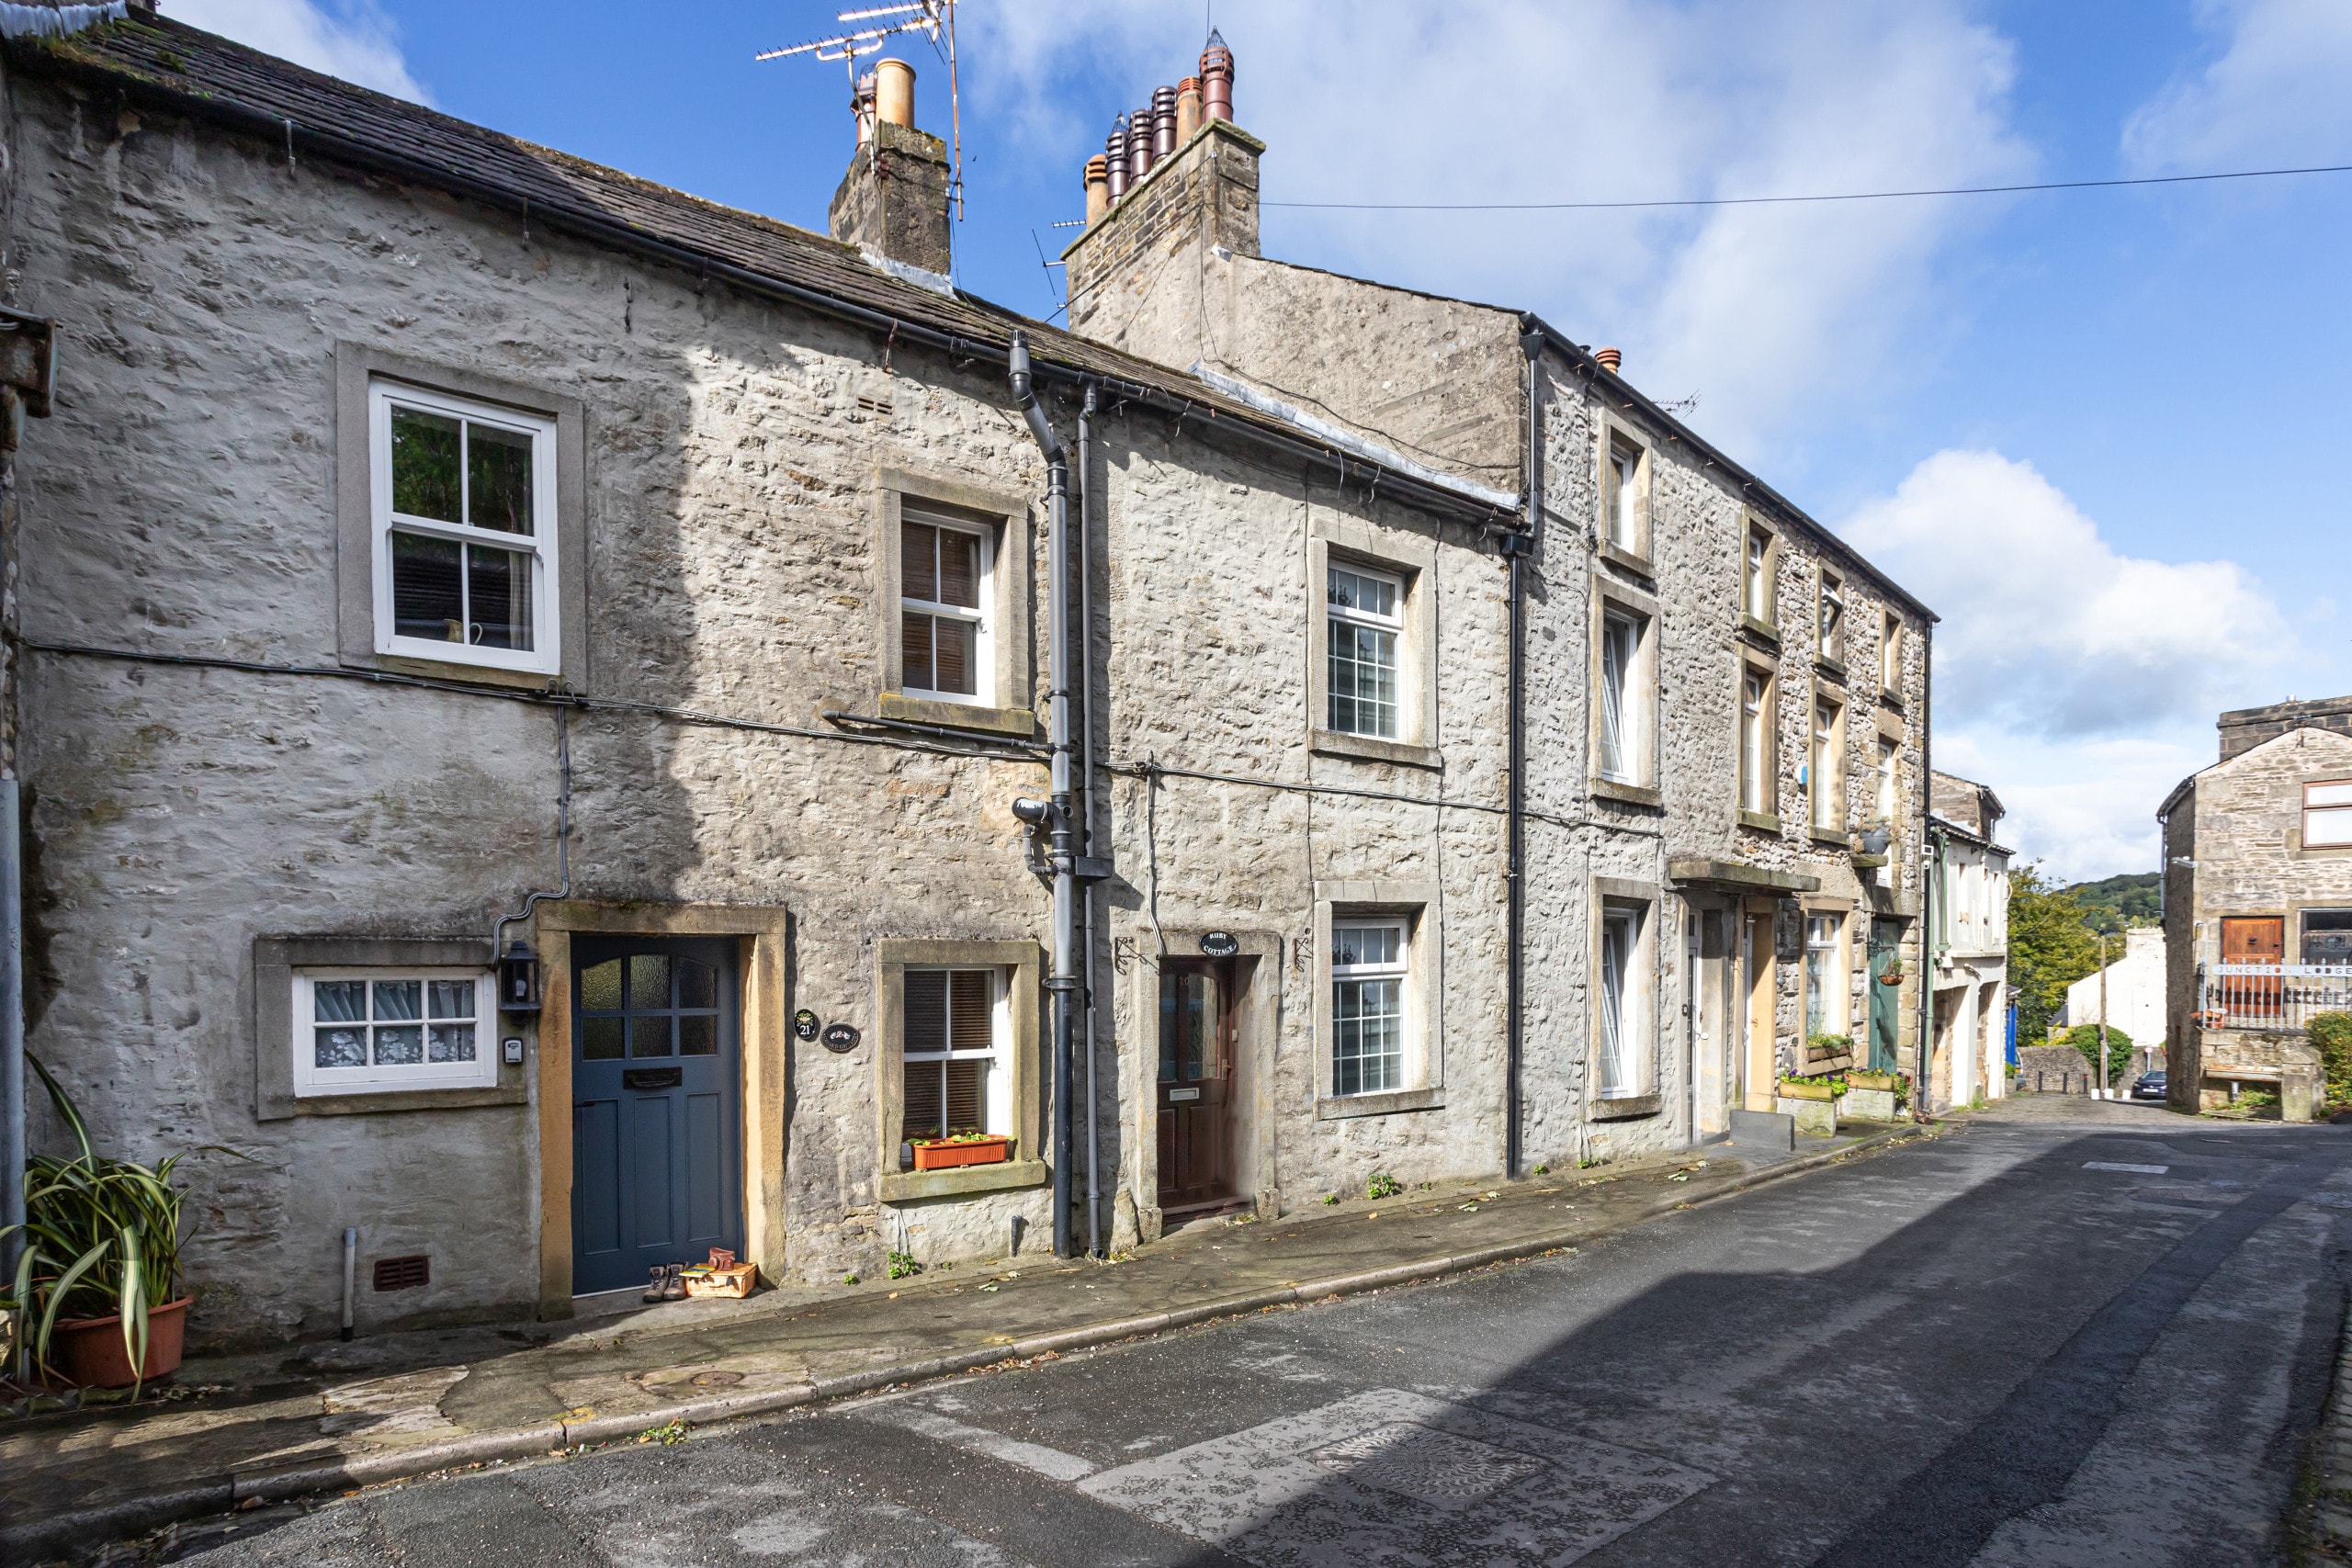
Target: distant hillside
{"x": 2118, "y": 901}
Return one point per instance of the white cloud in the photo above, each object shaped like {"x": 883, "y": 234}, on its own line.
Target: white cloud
{"x": 2079, "y": 683}
{"x": 1777, "y": 315}
{"x": 2275, "y": 93}
{"x": 2047, "y": 630}
{"x": 351, "y": 40}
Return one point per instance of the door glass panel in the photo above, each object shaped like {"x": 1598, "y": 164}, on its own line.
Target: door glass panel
{"x": 698, "y": 985}
{"x": 600, "y": 988}
{"x": 649, "y": 1036}
{"x": 648, "y": 981}
{"x": 600, "y": 1039}
{"x": 1189, "y": 1016}
{"x": 697, "y": 1035}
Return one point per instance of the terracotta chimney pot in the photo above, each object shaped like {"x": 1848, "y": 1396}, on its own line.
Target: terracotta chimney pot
{"x": 1139, "y": 152}
{"x": 1115, "y": 153}
{"x": 1098, "y": 188}
{"x": 893, "y": 92}
{"x": 1188, "y": 109}
{"x": 1608, "y": 359}
{"x": 1217, "y": 79}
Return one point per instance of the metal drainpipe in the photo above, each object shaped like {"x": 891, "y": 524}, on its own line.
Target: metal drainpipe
{"x": 1517, "y": 549}
{"x": 1086, "y": 798}
{"x": 12, "y": 1027}
{"x": 1922, "y": 1059}
{"x": 1064, "y": 979}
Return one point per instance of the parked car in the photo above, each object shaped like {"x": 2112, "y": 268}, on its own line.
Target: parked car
{"x": 2150, "y": 1085}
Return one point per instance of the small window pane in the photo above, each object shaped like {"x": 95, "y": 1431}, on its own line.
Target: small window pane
{"x": 2327, "y": 795}
{"x": 698, "y": 985}
{"x": 1367, "y": 1044}
{"x": 924, "y": 1113}
{"x": 648, "y": 981}
{"x": 1365, "y": 594}
{"x": 919, "y": 562}
{"x": 697, "y": 1035}
{"x": 428, "y": 598}
{"x": 340, "y": 1048}
{"x": 956, "y": 652}
{"x": 339, "y": 1001}
{"x": 926, "y": 1010}
{"x": 959, "y": 568}
{"x": 450, "y": 1042}
{"x": 600, "y": 1039}
{"x": 649, "y": 1036}
{"x": 970, "y": 1004}
{"x": 1363, "y": 679}
{"x": 600, "y": 989}
{"x": 449, "y": 998}
{"x": 425, "y": 465}
{"x": 914, "y": 653}
{"x": 2332, "y": 827}
{"x": 500, "y": 581}
{"x": 400, "y": 998}
{"x": 1355, "y": 946}
{"x": 966, "y": 1084}
{"x": 400, "y": 1047}
{"x": 497, "y": 472}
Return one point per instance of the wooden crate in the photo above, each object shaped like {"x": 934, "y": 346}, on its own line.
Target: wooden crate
{"x": 735, "y": 1282}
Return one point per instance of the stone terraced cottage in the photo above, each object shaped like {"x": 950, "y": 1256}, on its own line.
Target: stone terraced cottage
{"x": 524, "y": 679}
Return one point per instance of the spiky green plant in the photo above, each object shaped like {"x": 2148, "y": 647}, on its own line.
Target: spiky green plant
{"x": 101, "y": 1237}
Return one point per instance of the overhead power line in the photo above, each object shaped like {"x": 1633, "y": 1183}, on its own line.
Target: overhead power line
{"x": 1781, "y": 200}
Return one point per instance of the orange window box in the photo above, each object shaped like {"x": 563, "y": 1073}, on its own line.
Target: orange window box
{"x": 971, "y": 1151}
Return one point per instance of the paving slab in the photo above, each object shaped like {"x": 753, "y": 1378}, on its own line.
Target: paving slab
{"x": 329, "y": 1415}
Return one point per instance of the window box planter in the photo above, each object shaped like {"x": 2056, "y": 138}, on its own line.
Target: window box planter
{"x": 947, "y": 1154}
{"x": 89, "y": 1350}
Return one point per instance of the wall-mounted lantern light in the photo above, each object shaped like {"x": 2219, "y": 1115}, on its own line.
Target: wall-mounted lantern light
{"x": 518, "y": 979}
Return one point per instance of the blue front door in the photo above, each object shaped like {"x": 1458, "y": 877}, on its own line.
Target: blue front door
{"x": 656, "y": 1131}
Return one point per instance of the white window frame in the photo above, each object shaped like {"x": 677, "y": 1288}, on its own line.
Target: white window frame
{"x": 312, "y": 1080}
{"x": 1830, "y": 636}
{"x": 1755, "y": 742}
{"x": 540, "y": 545}
{"x": 1890, "y": 654}
{"x": 1357, "y": 971}
{"x": 1825, "y": 783}
{"x": 1890, "y": 760}
{"x": 999, "y": 1091}
{"x": 983, "y": 694}
{"x": 1394, "y": 625}
{"x": 1624, "y": 479}
{"x": 1757, "y": 568}
{"x": 1616, "y": 1074}
{"x": 1825, "y": 972}
{"x": 2327, "y": 802}
{"x": 1621, "y": 712}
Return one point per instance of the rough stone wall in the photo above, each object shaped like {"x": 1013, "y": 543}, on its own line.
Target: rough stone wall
{"x": 2248, "y": 831}
{"x": 180, "y": 813}
{"x": 2244, "y": 729}
{"x": 893, "y": 200}
{"x": 2183, "y": 1037}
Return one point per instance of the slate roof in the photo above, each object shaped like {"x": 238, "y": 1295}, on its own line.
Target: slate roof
{"x": 158, "y": 60}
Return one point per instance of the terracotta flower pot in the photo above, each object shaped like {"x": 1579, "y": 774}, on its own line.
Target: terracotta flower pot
{"x": 89, "y": 1350}
{"x": 946, "y": 1156}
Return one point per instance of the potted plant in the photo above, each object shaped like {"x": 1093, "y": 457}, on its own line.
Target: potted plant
{"x": 962, "y": 1148}
{"x": 95, "y": 1291}
{"x": 1828, "y": 1053}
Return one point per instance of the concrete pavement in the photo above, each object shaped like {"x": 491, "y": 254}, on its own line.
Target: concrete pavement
{"x": 2094, "y": 1335}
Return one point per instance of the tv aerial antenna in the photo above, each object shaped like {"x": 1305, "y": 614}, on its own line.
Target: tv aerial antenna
{"x": 934, "y": 20}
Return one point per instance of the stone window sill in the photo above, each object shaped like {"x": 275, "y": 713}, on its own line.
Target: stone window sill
{"x": 1370, "y": 749}
{"x": 1761, "y": 821}
{"x": 1631, "y": 793}
{"x": 1887, "y": 699}
{"x": 515, "y": 1093}
{"x": 1761, "y": 633}
{"x": 1832, "y": 839}
{"x": 1629, "y": 561}
{"x": 1339, "y": 1107}
{"x": 1626, "y": 1107}
{"x": 899, "y": 1186}
{"x": 1021, "y": 723}
{"x": 1829, "y": 668}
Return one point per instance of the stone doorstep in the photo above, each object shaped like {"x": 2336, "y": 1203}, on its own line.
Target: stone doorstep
{"x": 306, "y": 1475}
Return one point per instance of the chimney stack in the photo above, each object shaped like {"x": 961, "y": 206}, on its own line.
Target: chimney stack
{"x": 893, "y": 201}
{"x": 1216, "y": 78}
{"x": 1098, "y": 188}
{"x": 1188, "y": 109}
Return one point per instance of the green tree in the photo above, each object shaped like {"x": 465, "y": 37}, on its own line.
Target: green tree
{"x": 2084, "y": 1037}
{"x": 2120, "y": 902}
{"x": 2051, "y": 947}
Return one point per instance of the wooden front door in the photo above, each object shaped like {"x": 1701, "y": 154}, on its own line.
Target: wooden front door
{"x": 1196, "y": 1083}
{"x": 2250, "y": 999}
{"x": 657, "y": 1172}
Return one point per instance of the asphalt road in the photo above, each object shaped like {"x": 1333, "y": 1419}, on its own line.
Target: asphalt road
{"x": 2023, "y": 1343}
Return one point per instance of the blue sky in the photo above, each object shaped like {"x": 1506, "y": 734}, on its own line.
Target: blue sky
{"x": 2095, "y": 431}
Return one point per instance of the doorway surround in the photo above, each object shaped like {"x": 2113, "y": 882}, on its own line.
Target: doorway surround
{"x": 763, "y": 931}
{"x": 1257, "y": 962}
